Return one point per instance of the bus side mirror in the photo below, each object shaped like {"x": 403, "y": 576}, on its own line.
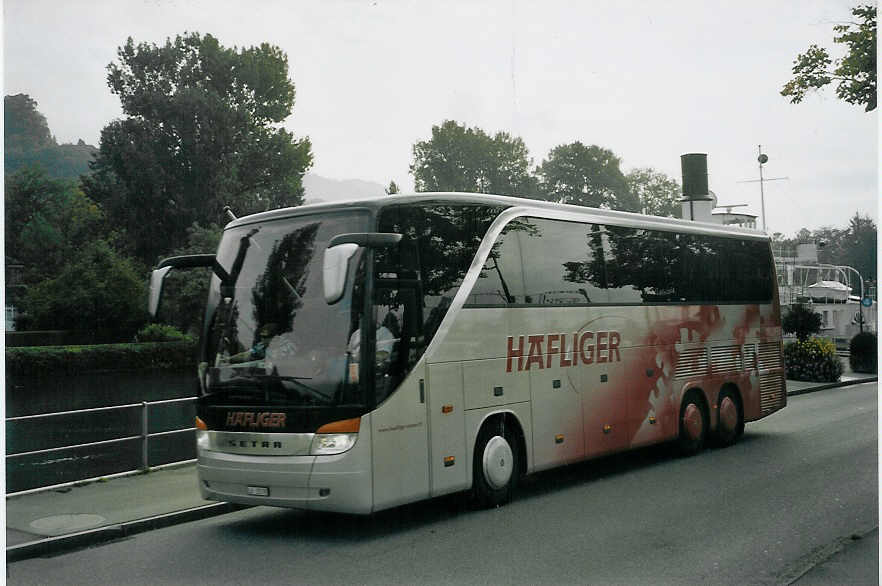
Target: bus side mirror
{"x": 157, "y": 278}
{"x": 335, "y": 269}
{"x": 340, "y": 250}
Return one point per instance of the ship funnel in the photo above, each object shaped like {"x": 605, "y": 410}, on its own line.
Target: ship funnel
{"x": 697, "y": 202}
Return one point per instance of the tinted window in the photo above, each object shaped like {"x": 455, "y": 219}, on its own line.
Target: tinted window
{"x": 563, "y": 263}
{"x": 642, "y": 265}
{"x": 439, "y": 244}
{"x": 567, "y": 263}
{"x": 501, "y": 281}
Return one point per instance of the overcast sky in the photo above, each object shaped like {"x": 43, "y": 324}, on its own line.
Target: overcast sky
{"x": 649, "y": 80}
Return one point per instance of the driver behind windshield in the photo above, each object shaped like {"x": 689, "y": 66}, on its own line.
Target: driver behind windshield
{"x": 258, "y": 350}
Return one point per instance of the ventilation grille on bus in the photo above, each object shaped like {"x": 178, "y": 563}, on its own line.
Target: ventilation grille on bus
{"x": 693, "y": 362}
{"x": 769, "y": 355}
{"x": 726, "y": 359}
{"x": 773, "y": 393}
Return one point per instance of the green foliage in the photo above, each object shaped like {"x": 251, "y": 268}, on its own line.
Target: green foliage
{"x": 392, "y": 189}
{"x": 802, "y": 321}
{"x": 47, "y": 221}
{"x": 160, "y": 333}
{"x": 458, "y": 158}
{"x": 587, "y": 176}
{"x": 854, "y": 246}
{"x": 659, "y": 195}
{"x": 202, "y": 132}
{"x": 812, "y": 360}
{"x": 28, "y": 142}
{"x": 859, "y": 246}
{"x": 97, "y": 292}
{"x": 24, "y": 128}
{"x": 855, "y": 74}
{"x": 60, "y": 360}
{"x": 863, "y": 353}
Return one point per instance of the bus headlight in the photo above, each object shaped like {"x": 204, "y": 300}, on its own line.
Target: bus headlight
{"x": 202, "y": 441}
{"x": 335, "y": 437}
{"x": 326, "y": 444}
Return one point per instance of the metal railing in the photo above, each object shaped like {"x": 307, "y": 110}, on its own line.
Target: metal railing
{"x": 144, "y": 436}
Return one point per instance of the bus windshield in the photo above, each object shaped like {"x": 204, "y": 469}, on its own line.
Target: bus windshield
{"x": 271, "y": 338}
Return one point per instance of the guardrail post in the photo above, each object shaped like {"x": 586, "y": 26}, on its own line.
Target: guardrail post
{"x": 145, "y": 464}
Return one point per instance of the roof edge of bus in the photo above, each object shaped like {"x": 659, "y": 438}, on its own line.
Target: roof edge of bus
{"x": 512, "y": 201}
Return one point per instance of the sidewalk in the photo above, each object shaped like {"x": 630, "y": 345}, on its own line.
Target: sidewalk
{"x": 67, "y": 518}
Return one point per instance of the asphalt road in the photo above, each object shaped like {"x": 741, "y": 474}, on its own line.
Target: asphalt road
{"x": 760, "y": 512}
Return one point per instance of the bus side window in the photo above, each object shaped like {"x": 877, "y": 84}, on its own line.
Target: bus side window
{"x": 501, "y": 281}
{"x": 562, "y": 262}
{"x": 396, "y": 338}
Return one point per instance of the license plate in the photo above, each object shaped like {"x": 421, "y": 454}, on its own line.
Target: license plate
{"x": 258, "y": 491}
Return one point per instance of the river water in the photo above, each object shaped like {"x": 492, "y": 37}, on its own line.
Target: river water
{"x": 37, "y": 395}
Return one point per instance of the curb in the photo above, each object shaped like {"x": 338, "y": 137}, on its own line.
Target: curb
{"x": 847, "y": 383}
{"x": 89, "y": 537}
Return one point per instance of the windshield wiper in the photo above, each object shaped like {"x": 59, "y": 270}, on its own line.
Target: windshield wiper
{"x": 266, "y": 382}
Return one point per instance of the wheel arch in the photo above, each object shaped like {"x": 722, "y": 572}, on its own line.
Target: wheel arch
{"x": 508, "y": 417}
{"x": 695, "y": 388}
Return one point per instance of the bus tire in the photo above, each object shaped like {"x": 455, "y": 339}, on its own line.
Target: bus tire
{"x": 693, "y": 424}
{"x": 495, "y": 465}
{"x": 730, "y": 425}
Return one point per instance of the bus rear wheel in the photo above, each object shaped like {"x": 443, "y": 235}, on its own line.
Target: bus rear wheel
{"x": 693, "y": 424}
{"x": 731, "y": 421}
{"x": 495, "y": 465}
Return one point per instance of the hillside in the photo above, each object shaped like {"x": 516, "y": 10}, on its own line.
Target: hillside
{"x": 27, "y": 141}
{"x": 320, "y": 189}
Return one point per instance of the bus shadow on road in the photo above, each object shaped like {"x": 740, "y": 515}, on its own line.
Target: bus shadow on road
{"x": 343, "y": 528}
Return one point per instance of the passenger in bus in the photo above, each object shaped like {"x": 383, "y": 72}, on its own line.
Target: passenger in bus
{"x": 386, "y": 340}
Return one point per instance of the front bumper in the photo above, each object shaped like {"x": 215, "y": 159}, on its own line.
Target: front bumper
{"x": 340, "y": 483}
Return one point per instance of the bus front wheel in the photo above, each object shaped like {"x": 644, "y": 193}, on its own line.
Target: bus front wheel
{"x": 495, "y": 465}
{"x": 693, "y": 424}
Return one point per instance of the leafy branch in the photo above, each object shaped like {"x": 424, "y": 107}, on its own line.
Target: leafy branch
{"x": 855, "y": 73}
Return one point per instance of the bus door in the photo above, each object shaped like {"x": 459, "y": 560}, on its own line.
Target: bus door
{"x": 399, "y": 429}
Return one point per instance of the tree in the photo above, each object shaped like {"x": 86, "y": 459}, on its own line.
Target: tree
{"x": 47, "y": 220}
{"x": 659, "y": 195}
{"x": 587, "y": 176}
{"x": 802, "y": 321}
{"x": 458, "y": 158}
{"x": 855, "y": 74}
{"x": 392, "y": 189}
{"x": 859, "y": 246}
{"x": 98, "y": 293}
{"x": 201, "y": 132}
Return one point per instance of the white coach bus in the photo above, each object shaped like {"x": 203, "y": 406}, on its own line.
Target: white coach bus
{"x": 363, "y": 355}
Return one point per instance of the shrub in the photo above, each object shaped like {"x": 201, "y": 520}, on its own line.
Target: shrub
{"x": 863, "y": 354}
{"x": 802, "y": 321}
{"x": 812, "y": 360}
{"x": 160, "y": 333}
{"x": 60, "y": 360}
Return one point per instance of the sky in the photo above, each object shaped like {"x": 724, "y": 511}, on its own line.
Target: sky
{"x": 649, "y": 80}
